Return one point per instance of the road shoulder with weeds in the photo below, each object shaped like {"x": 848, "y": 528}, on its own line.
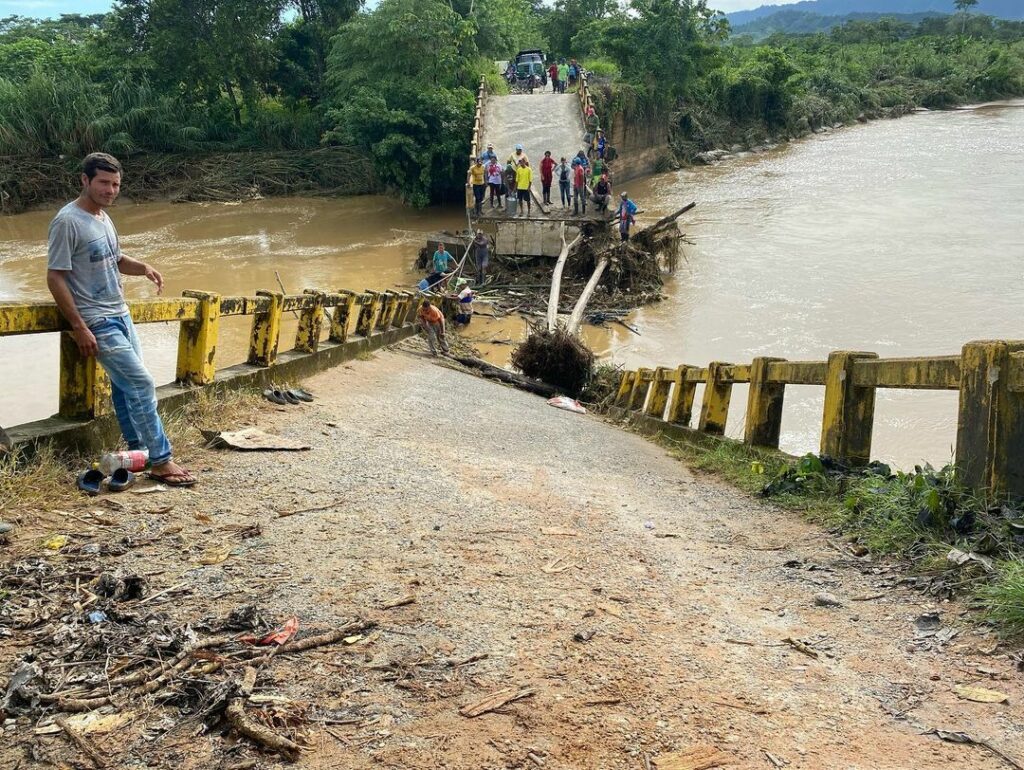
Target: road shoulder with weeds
{"x": 942, "y": 533}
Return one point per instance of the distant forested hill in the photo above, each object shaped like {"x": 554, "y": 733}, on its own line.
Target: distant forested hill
{"x": 1004, "y": 9}
{"x": 806, "y": 23}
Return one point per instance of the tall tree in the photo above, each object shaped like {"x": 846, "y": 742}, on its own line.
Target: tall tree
{"x": 964, "y": 6}
{"x": 402, "y": 79}
{"x": 202, "y": 49}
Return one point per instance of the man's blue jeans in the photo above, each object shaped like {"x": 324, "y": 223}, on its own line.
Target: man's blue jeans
{"x": 132, "y": 388}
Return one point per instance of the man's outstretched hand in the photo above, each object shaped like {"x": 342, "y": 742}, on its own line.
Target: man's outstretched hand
{"x": 154, "y": 275}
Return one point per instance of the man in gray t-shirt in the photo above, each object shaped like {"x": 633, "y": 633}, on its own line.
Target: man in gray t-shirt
{"x": 84, "y": 269}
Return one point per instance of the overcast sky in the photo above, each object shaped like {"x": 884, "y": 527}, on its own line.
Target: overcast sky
{"x": 57, "y": 7}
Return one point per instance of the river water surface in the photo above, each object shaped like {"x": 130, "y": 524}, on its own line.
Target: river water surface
{"x": 900, "y": 237}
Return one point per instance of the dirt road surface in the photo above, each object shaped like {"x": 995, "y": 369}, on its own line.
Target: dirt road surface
{"x": 643, "y": 609}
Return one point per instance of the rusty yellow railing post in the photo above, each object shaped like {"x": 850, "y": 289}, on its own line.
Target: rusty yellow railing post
{"x": 197, "y": 341}
{"x": 84, "y": 386}
{"x": 990, "y": 423}
{"x": 714, "y": 407}
{"x": 764, "y": 406}
{"x": 390, "y": 306}
{"x": 680, "y": 407}
{"x": 367, "y": 313}
{"x": 660, "y": 386}
{"x": 625, "y": 388}
{"x": 638, "y": 395}
{"x": 341, "y": 317}
{"x": 849, "y": 414}
{"x": 266, "y": 330}
{"x": 401, "y": 309}
{"x": 311, "y": 319}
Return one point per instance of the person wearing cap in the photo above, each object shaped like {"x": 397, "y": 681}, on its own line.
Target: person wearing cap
{"x": 477, "y": 178}
{"x": 625, "y": 214}
{"x": 517, "y": 156}
{"x": 431, "y": 321}
{"x": 465, "y": 312}
{"x": 489, "y": 154}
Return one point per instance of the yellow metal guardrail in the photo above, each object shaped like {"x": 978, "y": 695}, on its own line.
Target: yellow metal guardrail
{"x": 85, "y": 389}
{"x": 586, "y": 102}
{"x": 478, "y": 133}
{"x": 989, "y": 376}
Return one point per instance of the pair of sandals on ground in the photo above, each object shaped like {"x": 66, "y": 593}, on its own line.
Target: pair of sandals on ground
{"x": 289, "y": 396}
{"x": 91, "y": 481}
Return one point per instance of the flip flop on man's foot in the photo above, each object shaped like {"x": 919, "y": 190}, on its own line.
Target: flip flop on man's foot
{"x": 182, "y": 478}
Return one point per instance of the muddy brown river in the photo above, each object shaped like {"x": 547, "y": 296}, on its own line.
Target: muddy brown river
{"x": 900, "y": 237}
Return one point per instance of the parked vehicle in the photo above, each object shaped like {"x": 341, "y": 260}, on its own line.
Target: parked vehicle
{"x": 530, "y": 63}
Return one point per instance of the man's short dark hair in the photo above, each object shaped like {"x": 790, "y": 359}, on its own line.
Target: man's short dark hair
{"x": 100, "y": 161}
{"x": 425, "y": 303}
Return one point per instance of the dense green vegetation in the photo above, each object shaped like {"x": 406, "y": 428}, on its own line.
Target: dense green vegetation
{"x": 396, "y": 83}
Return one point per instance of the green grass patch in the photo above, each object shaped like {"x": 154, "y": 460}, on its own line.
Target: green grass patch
{"x": 1003, "y": 598}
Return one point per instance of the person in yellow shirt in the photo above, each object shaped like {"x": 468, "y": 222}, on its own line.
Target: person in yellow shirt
{"x": 477, "y": 179}
{"x": 524, "y": 176}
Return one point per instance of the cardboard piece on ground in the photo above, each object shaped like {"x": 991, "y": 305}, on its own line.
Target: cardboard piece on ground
{"x": 980, "y": 694}
{"x": 253, "y": 440}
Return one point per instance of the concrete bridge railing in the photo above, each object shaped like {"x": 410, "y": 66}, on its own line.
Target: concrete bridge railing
{"x": 356, "y": 321}
{"x": 989, "y": 376}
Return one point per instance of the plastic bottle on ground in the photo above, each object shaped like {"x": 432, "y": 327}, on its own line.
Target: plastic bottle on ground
{"x": 134, "y": 460}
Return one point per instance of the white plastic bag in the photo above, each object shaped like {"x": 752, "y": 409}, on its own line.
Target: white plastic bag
{"x": 569, "y": 404}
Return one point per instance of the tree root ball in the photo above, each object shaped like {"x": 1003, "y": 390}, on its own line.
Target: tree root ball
{"x": 557, "y": 358}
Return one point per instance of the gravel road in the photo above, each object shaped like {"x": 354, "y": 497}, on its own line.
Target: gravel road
{"x": 644, "y": 608}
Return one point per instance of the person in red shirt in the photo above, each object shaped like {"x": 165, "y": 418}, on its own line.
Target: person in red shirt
{"x": 431, "y": 320}
{"x": 553, "y": 76}
{"x": 579, "y": 189}
{"x": 547, "y": 168}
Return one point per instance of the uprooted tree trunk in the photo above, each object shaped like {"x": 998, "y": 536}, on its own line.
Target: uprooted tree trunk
{"x": 556, "y": 279}
{"x": 557, "y": 354}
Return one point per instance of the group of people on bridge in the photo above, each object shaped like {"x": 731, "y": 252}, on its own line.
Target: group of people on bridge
{"x": 587, "y": 177}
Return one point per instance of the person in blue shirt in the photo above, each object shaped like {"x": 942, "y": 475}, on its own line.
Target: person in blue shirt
{"x": 601, "y": 144}
{"x": 489, "y": 154}
{"x": 625, "y": 214}
{"x": 581, "y": 159}
{"x": 439, "y": 262}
